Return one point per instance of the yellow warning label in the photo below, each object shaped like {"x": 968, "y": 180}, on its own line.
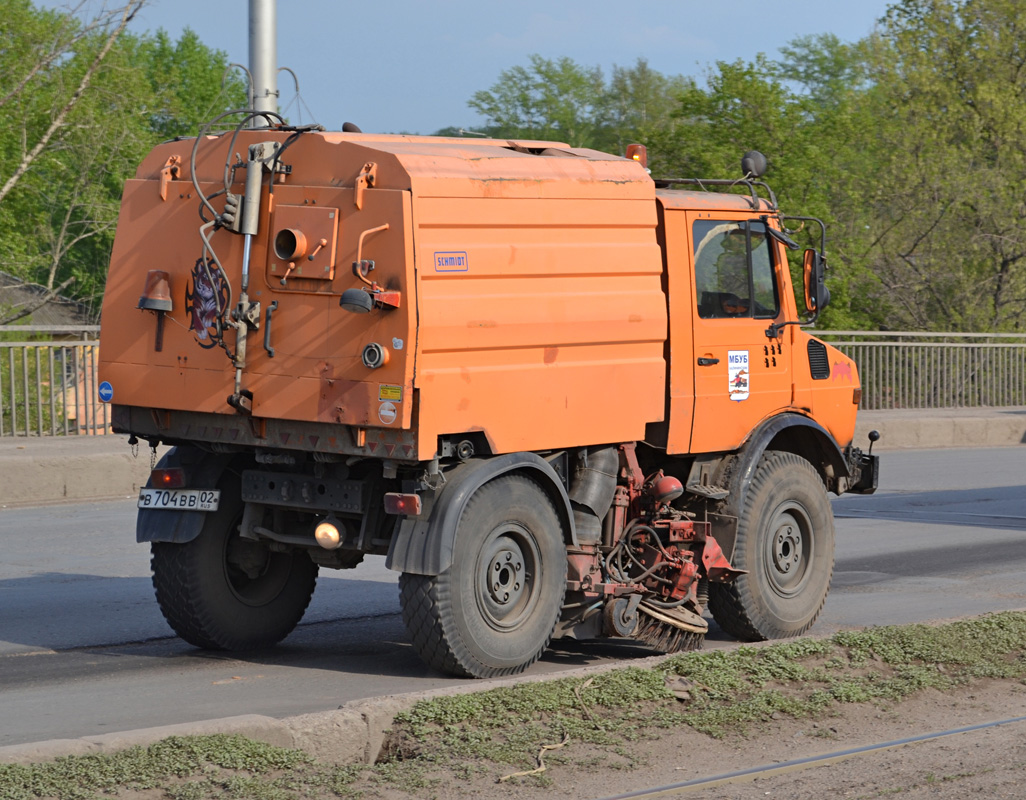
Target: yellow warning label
{"x": 386, "y": 392}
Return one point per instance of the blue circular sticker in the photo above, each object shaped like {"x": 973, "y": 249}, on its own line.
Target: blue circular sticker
{"x": 106, "y": 392}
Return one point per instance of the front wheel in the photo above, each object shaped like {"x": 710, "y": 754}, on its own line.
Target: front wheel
{"x": 223, "y": 592}
{"x": 785, "y": 541}
{"x": 493, "y": 611}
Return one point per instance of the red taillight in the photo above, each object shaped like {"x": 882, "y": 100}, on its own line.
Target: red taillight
{"x": 407, "y": 505}
{"x": 173, "y": 478}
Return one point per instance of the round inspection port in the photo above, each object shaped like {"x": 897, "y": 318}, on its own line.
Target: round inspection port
{"x": 374, "y": 356}
{"x": 290, "y": 244}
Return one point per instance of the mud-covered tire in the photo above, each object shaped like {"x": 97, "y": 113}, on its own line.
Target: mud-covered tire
{"x": 785, "y": 540}
{"x": 493, "y": 611}
{"x": 212, "y": 602}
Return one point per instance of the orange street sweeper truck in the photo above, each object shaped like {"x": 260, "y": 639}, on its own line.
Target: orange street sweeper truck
{"x": 559, "y": 397}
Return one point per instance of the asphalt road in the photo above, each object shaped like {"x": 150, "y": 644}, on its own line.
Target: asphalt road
{"x": 84, "y": 649}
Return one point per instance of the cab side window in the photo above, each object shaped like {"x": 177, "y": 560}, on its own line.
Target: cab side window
{"x": 726, "y": 287}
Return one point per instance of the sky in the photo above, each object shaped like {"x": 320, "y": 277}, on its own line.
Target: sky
{"x": 410, "y": 66}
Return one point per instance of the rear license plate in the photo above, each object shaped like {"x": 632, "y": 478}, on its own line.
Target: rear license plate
{"x": 180, "y": 499}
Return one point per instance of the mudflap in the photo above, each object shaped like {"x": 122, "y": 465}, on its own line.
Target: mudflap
{"x": 175, "y": 526}
{"x": 168, "y": 525}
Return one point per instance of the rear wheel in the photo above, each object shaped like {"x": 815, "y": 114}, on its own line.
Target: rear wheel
{"x": 493, "y": 611}
{"x": 223, "y": 592}
{"x": 785, "y": 540}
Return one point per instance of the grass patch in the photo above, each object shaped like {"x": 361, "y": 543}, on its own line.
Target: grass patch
{"x": 607, "y": 718}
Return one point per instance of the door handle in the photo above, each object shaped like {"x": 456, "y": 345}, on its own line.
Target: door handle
{"x": 707, "y": 362}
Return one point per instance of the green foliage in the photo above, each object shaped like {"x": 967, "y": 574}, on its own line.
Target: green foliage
{"x": 547, "y": 100}
{"x": 564, "y": 101}
{"x": 909, "y": 144}
{"x": 140, "y": 768}
{"x": 950, "y": 96}
{"x": 57, "y": 220}
{"x": 185, "y": 81}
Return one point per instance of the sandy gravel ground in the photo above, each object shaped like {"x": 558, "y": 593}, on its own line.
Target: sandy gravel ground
{"x": 989, "y": 763}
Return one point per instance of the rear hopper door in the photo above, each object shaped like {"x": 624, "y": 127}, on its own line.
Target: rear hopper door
{"x": 321, "y": 362}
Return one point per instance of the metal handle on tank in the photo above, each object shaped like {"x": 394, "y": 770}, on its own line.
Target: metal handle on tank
{"x": 267, "y": 328}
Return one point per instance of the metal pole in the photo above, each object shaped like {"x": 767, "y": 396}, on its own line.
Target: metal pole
{"x": 263, "y": 56}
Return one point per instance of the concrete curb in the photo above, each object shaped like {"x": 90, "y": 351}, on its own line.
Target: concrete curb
{"x": 355, "y": 733}
{"x": 35, "y": 471}
{"x": 932, "y": 428}
{"x": 352, "y": 734}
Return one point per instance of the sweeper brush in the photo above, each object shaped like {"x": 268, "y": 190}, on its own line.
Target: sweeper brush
{"x": 670, "y": 630}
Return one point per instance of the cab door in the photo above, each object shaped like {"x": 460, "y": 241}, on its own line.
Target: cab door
{"x": 742, "y": 374}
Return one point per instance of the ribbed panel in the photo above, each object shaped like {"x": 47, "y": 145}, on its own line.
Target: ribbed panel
{"x": 819, "y": 364}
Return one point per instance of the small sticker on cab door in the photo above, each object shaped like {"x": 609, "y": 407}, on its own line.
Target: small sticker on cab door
{"x": 737, "y": 374}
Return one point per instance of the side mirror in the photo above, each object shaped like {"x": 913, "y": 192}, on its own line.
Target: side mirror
{"x": 817, "y": 295}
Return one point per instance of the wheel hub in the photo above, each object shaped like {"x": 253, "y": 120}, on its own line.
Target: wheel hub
{"x": 789, "y": 550}
{"x": 505, "y": 575}
{"x": 787, "y": 547}
{"x": 254, "y": 574}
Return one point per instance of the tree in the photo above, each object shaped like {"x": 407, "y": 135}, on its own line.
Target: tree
{"x": 639, "y": 104}
{"x": 82, "y": 120}
{"x": 190, "y": 83}
{"x": 558, "y": 100}
{"x": 108, "y": 35}
{"x": 950, "y": 90}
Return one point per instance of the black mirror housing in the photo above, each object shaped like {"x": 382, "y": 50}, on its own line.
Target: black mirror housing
{"x": 817, "y": 295}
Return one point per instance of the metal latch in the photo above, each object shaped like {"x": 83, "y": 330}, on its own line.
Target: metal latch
{"x": 365, "y": 180}
{"x": 171, "y": 171}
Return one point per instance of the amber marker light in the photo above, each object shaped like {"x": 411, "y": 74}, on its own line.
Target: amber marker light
{"x": 156, "y": 297}
{"x": 328, "y": 536}
{"x": 639, "y": 153}
{"x": 856, "y": 395}
{"x": 171, "y": 478}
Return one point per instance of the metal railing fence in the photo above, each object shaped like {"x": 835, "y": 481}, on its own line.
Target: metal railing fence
{"x": 911, "y": 370}
{"x": 48, "y": 382}
{"x": 48, "y": 377}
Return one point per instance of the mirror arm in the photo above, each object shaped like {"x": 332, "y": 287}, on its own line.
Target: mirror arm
{"x": 773, "y": 331}
{"x": 779, "y": 236}
{"x": 818, "y": 221}
{"x": 775, "y": 328}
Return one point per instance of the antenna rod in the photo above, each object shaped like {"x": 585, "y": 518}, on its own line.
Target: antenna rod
{"x": 263, "y": 56}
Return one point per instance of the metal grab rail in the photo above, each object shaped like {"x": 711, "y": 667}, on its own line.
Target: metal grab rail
{"x": 914, "y": 370}
{"x": 48, "y": 388}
